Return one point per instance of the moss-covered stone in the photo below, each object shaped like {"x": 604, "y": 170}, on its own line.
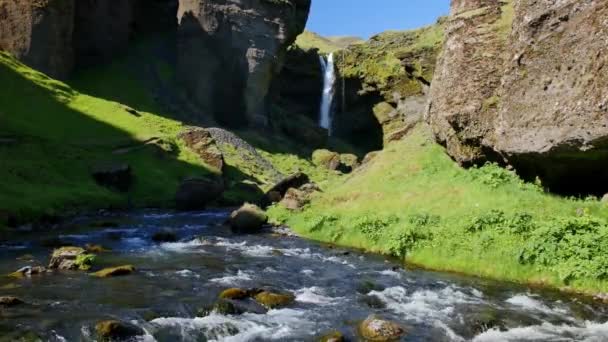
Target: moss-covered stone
{"x": 115, "y": 271}
{"x": 333, "y": 336}
{"x": 326, "y": 158}
{"x": 71, "y": 258}
{"x": 115, "y": 330}
{"x": 274, "y": 300}
{"x": 248, "y": 219}
{"x": 234, "y": 293}
{"x": 375, "y": 329}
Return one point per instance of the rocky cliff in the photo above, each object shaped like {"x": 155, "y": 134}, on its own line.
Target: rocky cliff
{"x": 523, "y": 82}
{"x": 229, "y": 51}
{"x": 55, "y": 35}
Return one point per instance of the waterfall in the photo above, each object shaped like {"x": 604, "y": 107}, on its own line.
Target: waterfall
{"x": 329, "y": 81}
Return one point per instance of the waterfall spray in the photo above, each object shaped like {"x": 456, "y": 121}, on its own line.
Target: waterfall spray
{"x": 325, "y": 115}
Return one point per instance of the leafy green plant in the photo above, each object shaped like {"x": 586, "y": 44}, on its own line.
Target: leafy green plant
{"x": 518, "y": 223}
{"x": 373, "y": 226}
{"x": 318, "y": 222}
{"x": 404, "y": 240}
{"x": 85, "y": 261}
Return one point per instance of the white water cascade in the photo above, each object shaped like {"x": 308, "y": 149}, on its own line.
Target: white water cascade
{"x": 329, "y": 82}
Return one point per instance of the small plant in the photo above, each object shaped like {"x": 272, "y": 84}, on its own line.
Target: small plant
{"x": 404, "y": 240}
{"x": 519, "y": 223}
{"x": 85, "y": 261}
{"x": 318, "y": 222}
{"x": 373, "y": 226}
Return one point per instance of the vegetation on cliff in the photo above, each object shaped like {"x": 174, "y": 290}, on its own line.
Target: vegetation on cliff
{"x": 483, "y": 221}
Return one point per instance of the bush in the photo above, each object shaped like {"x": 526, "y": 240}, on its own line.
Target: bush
{"x": 573, "y": 247}
{"x": 373, "y": 226}
{"x": 404, "y": 240}
{"x": 519, "y": 223}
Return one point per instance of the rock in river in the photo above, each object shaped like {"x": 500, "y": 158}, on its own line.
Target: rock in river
{"x": 248, "y": 219}
{"x": 115, "y": 271}
{"x": 71, "y": 258}
{"x": 274, "y": 300}
{"x": 375, "y": 329}
{"x": 115, "y": 330}
{"x": 9, "y": 301}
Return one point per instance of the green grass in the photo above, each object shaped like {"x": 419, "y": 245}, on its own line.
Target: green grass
{"x": 60, "y": 132}
{"x": 413, "y": 201}
{"x": 310, "y": 40}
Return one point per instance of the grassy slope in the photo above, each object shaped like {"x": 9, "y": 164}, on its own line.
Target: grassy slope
{"x": 61, "y": 134}
{"x": 310, "y": 40}
{"x": 412, "y": 198}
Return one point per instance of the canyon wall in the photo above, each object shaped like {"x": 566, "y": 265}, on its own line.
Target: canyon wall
{"x": 229, "y": 52}
{"x": 524, "y": 82}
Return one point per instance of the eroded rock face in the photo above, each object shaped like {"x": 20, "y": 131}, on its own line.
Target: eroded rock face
{"x": 39, "y": 33}
{"x": 463, "y": 105}
{"x": 523, "y": 82}
{"x": 229, "y": 51}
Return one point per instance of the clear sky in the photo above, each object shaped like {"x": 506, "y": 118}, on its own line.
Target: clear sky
{"x": 365, "y": 18}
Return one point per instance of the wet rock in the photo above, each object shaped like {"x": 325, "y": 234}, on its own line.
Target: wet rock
{"x": 164, "y": 235}
{"x": 115, "y": 271}
{"x": 333, "y": 336}
{"x": 234, "y": 293}
{"x": 368, "y": 286}
{"x": 96, "y": 249}
{"x": 274, "y": 300}
{"x": 197, "y": 193}
{"x": 115, "y": 330}
{"x": 70, "y": 258}
{"x": 116, "y": 176}
{"x": 373, "y": 302}
{"x": 226, "y": 307}
{"x": 483, "y": 321}
{"x": 248, "y": 219}
{"x": 10, "y": 301}
{"x": 28, "y": 271}
{"x": 202, "y": 143}
{"x": 380, "y": 330}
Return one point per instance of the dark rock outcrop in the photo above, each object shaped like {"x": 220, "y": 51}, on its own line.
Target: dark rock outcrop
{"x": 202, "y": 143}
{"x": 197, "y": 193}
{"x": 523, "y": 82}
{"x": 229, "y": 51}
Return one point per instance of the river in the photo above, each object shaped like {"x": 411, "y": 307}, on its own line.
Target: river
{"x": 334, "y": 289}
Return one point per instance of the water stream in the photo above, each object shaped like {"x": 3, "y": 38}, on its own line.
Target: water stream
{"x": 329, "y": 84}
{"x": 334, "y": 289}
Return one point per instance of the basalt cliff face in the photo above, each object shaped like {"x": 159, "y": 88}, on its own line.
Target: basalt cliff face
{"x": 54, "y": 36}
{"x": 229, "y": 52}
{"x": 524, "y": 82}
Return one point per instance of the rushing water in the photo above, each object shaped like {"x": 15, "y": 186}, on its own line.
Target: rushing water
{"x": 329, "y": 83}
{"x": 174, "y": 280}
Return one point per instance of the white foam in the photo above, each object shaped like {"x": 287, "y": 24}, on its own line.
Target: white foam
{"x": 187, "y": 274}
{"x": 184, "y": 247}
{"x": 391, "y": 273}
{"x": 275, "y": 325}
{"x": 588, "y": 332}
{"x": 239, "y": 278}
{"x": 531, "y": 304}
{"x": 315, "y": 295}
{"x": 307, "y": 272}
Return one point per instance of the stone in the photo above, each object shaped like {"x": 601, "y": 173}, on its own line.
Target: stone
{"x": 202, "y": 143}
{"x": 348, "y": 163}
{"x": 380, "y": 330}
{"x": 274, "y": 300}
{"x": 276, "y": 193}
{"x": 197, "y": 193}
{"x": 228, "y": 54}
{"x": 115, "y": 271}
{"x": 164, "y": 235}
{"x": 115, "y": 176}
{"x": 326, "y": 158}
{"x": 10, "y": 301}
{"x": 226, "y": 307}
{"x": 248, "y": 219}
{"x": 234, "y": 293}
{"x": 112, "y": 330}
{"x": 296, "y": 199}
{"x": 70, "y": 258}
{"x": 28, "y": 271}
{"x": 333, "y": 336}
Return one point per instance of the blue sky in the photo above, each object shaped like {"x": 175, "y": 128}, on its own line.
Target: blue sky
{"x": 365, "y": 18}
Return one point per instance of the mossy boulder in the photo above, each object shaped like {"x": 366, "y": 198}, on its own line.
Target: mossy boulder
{"x": 348, "y": 162}
{"x": 272, "y": 300}
{"x": 234, "y": 293}
{"x": 333, "y": 336}
{"x": 375, "y": 329}
{"x": 248, "y": 219}
{"x": 115, "y": 271}
{"x": 326, "y": 158}
{"x": 71, "y": 258}
{"x": 112, "y": 330}
{"x": 227, "y": 307}
{"x": 10, "y": 301}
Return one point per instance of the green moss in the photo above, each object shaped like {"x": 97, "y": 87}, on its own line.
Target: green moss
{"x": 412, "y": 200}
{"x": 310, "y": 40}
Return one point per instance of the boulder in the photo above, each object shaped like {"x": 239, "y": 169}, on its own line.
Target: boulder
{"x": 326, "y": 158}
{"x": 202, "y": 143}
{"x": 228, "y": 54}
{"x": 234, "y": 293}
{"x": 114, "y": 176}
{"x": 114, "y": 271}
{"x": 113, "y": 330}
{"x": 197, "y": 193}
{"x": 248, "y": 219}
{"x": 380, "y": 330}
{"x": 71, "y": 258}
{"x": 276, "y": 193}
{"x": 348, "y": 162}
{"x": 296, "y": 199}
{"x": 10, "y": 301}
{"x": 164, "y": 235}
{"x": 333, "y": 336}
{"x": 28, "y": 271}
{"x": 272, "y": 300}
